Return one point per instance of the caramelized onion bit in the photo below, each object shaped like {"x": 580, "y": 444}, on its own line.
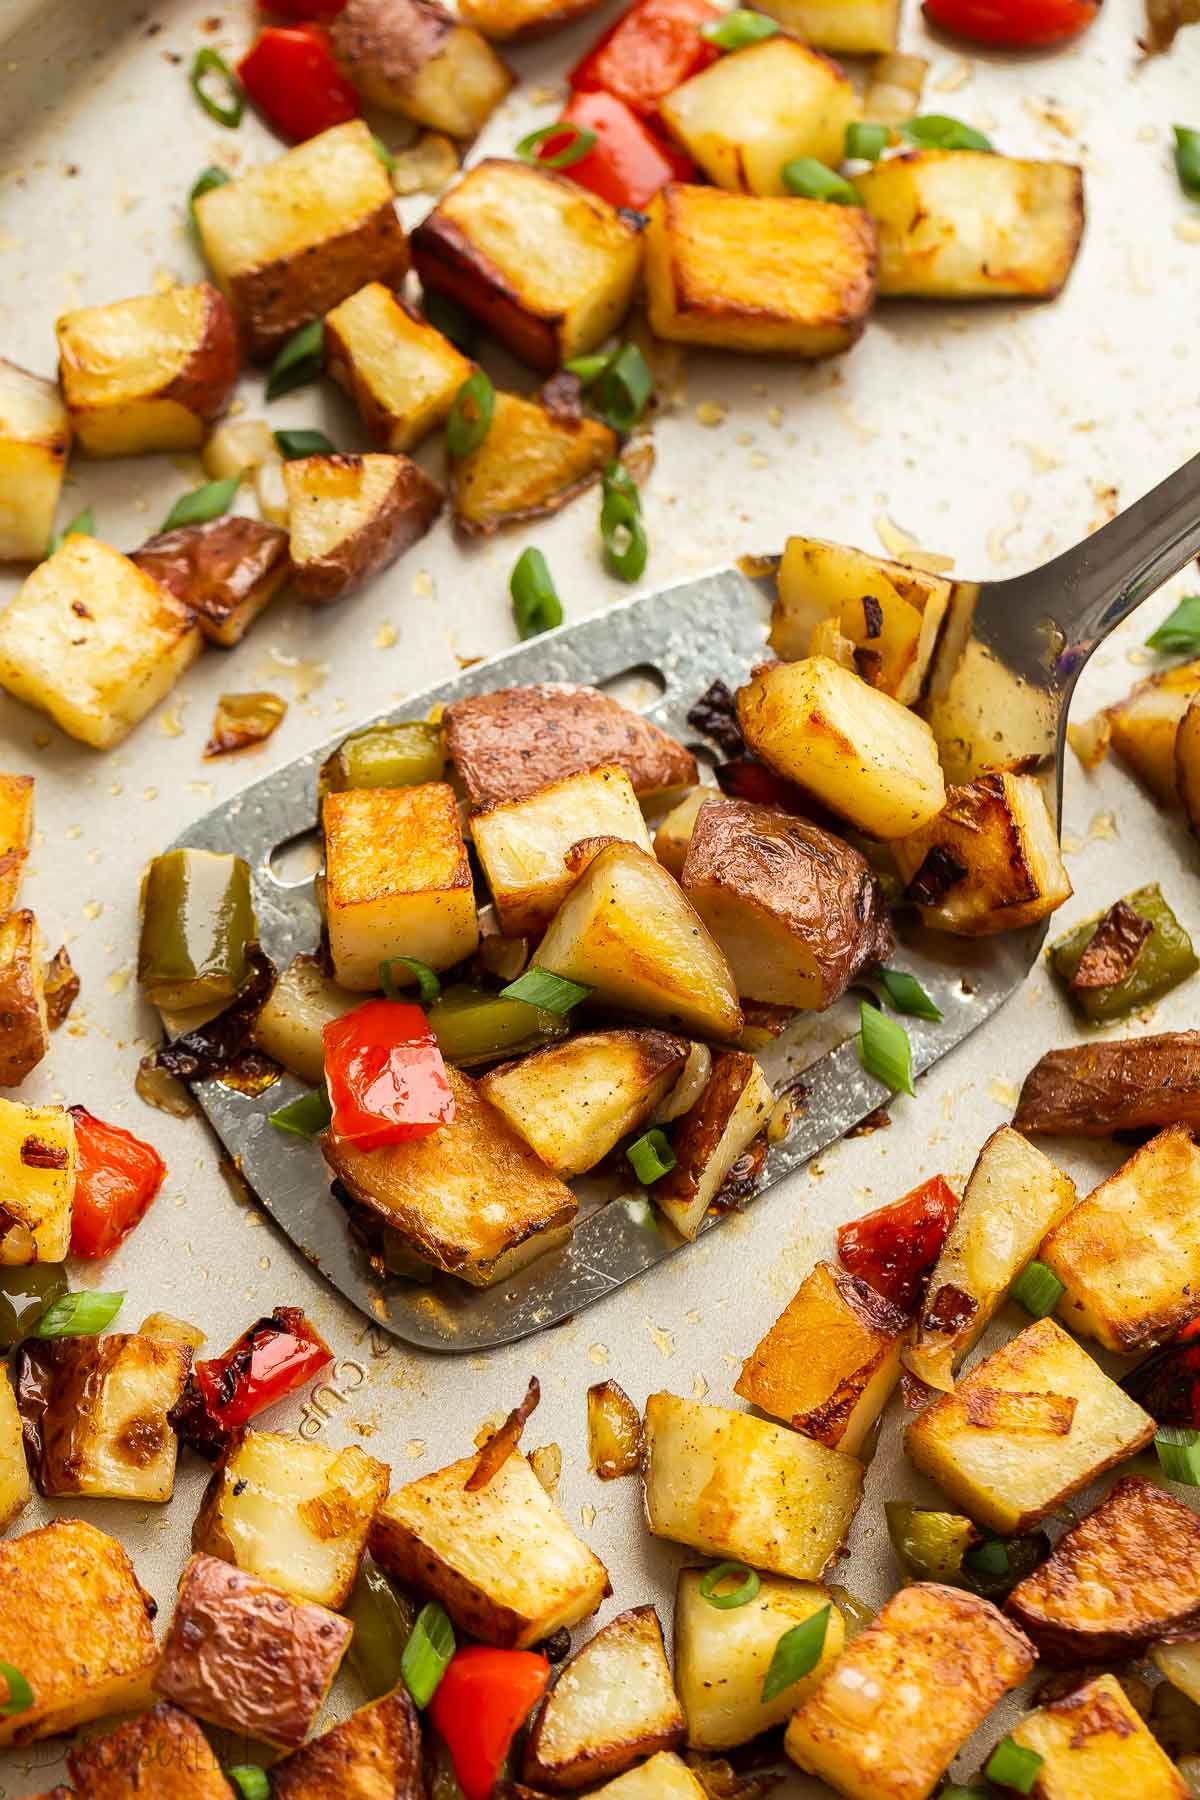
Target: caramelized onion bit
{"x": 500, "y": 1446}
{"x": 243, "y": 720}
{"x": 614, "y": 1432}
{"x": 61, "y": 988}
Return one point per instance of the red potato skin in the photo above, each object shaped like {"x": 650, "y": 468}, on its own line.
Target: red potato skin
{"x": 448, "y": 263}
{"x": 384, "y": 44}
{"x": 216, "y": 568}
{"x": 409, "y": 510}
{"x": 165, "y": 1740}
{"x": 208, "y": 381}
{"x": 275, "y": 301}
{"x": 1092, "y": 1090}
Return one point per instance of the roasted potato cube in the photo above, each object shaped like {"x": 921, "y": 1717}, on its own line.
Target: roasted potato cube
{"x": 504, "y": 20}
{"x": 1027, "y": 1428}
{"x": 414, "y": 57}
{"x": 1121, "y": 1084}
{"x": 98, "y": 1655}
{"x": 989, "y": 862}
{"x": 397, "y": 881}
{"x": 289, "y": 1026}
{"x": 829, "y": 1363}
{"x": 664, "y": 1777}
{"x": 847, "y": 27}
{"x": 797, "y": 912}
{"x": 1129, "y": 1254}
{"x": 375, "y": 1754}
{"x": 546, "y": 266}
{"x": 889, "y": 612}
{"x": 165, "y": 1740}
{"x": 573, "y": 1102}
{"x": 283, "y": 264}
{"x": 15, "y": 1491}
{"x": 351, "y": 516}
{"x": 735, "y": 1486}
{"x": 401, "y": 374}
{"x": 94, "y": 642}
{"x": 523, "y": 844}
{"x": 748, "y": 114}
{"x": 150, "y": 373}
{"x": 1180, "y": 1663}
{"x": 225, "y": 572}
{"x": 39, "y": 1162}
{"x": 95, "y": 1414}
{"x": 471, "y": 1199}
{"x": 954, "y": 225}
{"x": 16, "y": 829}
{"x": 532, "y": 462}
{"x": 722, "y": 1657}
{"x": 856, "y": 750}
{"x": 501, "y": 1559}
{"x": 1145, "y": 726}
{"x": 741, "y": 272}
{"x": 673, "y": 836}
{"x": 35, "y": 436}
{"x": 1014, "y": 1197}
{"x": 1093, "y": 1742}
{"x": 733, "y": 1108}
{"x": 24, "y": 1025}
{"x": 508, "y": 744}
{"x": 612, "y": 1705}
{"x": 890, "y": 1714}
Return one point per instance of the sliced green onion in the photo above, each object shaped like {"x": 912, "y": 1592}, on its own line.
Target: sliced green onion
{"x": 589, "y": 368}
{"x": 208, "y": 64}
{"x": 205, "y": 182}
{"x": 884, "y": 1049}
{"x": 553, "y": 993}
{"x": 651, "y": 1157}
{"x": 904, "y": 994}
{"x": 741, "y": 1595}
{"x": 306, "y": 1117}
{"x": 428, "y": 983}
{"x": 82, "y": 525}
{"x": 452, "y": 320}
{"x": 1038, "y": 1290}
{"x": 250, "y": 1781}
{"x": 1011, "y": 1765}
{"x": 626, "y": 549}
{"x": 936, "y": 131}
{"x": 1187, "y": 159}
{"x": 78, "y": 1315}
{"x": 1178, "y": 1450}
{"x": 299, "y": 361}
{"x": 202, "y": 504}
{"x": 427, "y": 1653}
{"x": 796, "y": 1654}
{"x": 809, "y": 179}
{"x": 989, "y": 1558}
{"x": 578, "y": 140}
{"x": 382, "y": 152}
{"x": 535, "y": 602}
{"x": 623, "y": 388}
{"x": 738, "y": 29}
{"x": 293, "y": 444}
{"x": 470, "y": 417}
{"x": 1179, "y": 634}
{"x": 865, "y": 141}
{"x": 20, "y": 1694}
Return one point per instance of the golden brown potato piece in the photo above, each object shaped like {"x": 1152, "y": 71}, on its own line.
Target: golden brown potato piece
{"x": 100, "y": 1655}
{"x": 226, "y": 571}
{"x": 797, "y": 912}
{"x": 1093, "y": 1742}
{"x": 532, "y": 462}
{"x": 24, "y": 1024}
{"x": 847, "y": 27}
{"x": 1145, "y": 725}
{"x": 989, "y": 862}
{"x": 401, "y": 374}
{"x": 16, "y": 829}
{"x": 673, "y": 836}
{"x": 39, "y": 1165}
{"x": 165, "y": 1740}
{"x": 303, "y": 1001}
{"x": 375, "y": 1754}
{"x": 415, "y": 58}
{"x": 35, "y": 437}
{"x": 612, "y": 1705}
{"x": 1187, "y": 763}
{"x": 242, "y": 1656}
{"x": 503, "y": 21}
{"x": 507, "y": 744}
{"x": 351, "y": 516}
{"x": 709, "y": 1138}
{"x": 1123, "y": 1084}
{"x": 15, "y": 1488}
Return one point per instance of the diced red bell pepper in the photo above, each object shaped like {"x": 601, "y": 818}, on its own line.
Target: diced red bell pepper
{"x": 272, "y": 1359}
{"x": 118, "y": 1177}
{"x": 292, "y": 78}
{"x": 297, "y": 11}
{"x": 1167, "y": 1384}
{"x": 480, "y": 1704}
{"x": 894, "y": 1248}
{"x": 386, "y": 1078}
{"x": 650, "y": 50}
{"x": 628, "y": 163}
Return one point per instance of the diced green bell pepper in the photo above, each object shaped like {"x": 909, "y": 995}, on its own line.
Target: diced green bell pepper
{"x": 386, "y": 756}
{"x": 473, "y": 1026}
{"x": 1165, "y": 959}
{"x": 197, "y": 924}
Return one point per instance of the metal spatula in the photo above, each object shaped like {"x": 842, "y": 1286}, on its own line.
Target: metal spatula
{"x": 1026, "y": 641}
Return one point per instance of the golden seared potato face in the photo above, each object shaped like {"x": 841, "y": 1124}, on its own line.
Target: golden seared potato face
{"x": 402, "y": 374}
{"x": 1094, "y": 1741}
{"x": 35, "y": 436}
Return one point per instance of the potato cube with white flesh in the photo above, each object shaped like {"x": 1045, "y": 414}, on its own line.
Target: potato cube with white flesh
{"x": 735, "y": 1486}
{"x": 1129, "y": 1254}
{"x": 166, "y": 1740}
{"x": 35, "y": 436}
{"x": 16, "y": 830}
{"x": 756, "y": 273}
{"x": 532, "y": 462}
{"x": 150, "y": 373}
{"x": 828, "y": 1365}
{"x": 733, "y": 1108}
{"x": 955, "y": 225}
{"x": 94, "y": 642}
{"x": 847, "y": 27}
{"x": 544, "y": 265}
{"x": 15, "y": 1489}
{"x": 501, "y": 1558}
{"x": 855, "y": 749}
{"x": 573, "y": 1102}
{"x": 24, "y": 1024}
{"x": 989, "y": 862}
{"x": 350, "y": 516}
{"x": 397, "y": 882}
{"x": 1027, "y": 1428}
{"x": 99, "y": 1656}
{"x": 748, "y": 114}
{"x": 283, "y": 263}
{"x": 523, "y": 844}
{"x": 673, "y": 836}
{"x": 627, "y": 930}
{"x": 471, "y": 1199}
{"x": 1014, "y": 1197}
{"x": 293, "y": 1513}
{"x": 415, "y": 58}
{"x": 290, "y": 1025}
{"x": 97, "y": 1410}
{"x": 891, "y": 614}
{"x": 664, "y": 1777}
{"x": 401, "y": 374}
{"x": 612, "y": 1705}
{"x": 1180, "y": 1663}
{"x": 722, "y": 1656}
{"x": 39, "y": 1163}
{"x": 1094, "y": 1745}
{"x": 906, "y": 1695}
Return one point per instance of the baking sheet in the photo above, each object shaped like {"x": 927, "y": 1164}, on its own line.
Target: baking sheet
{"x": 997, "y": 434}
